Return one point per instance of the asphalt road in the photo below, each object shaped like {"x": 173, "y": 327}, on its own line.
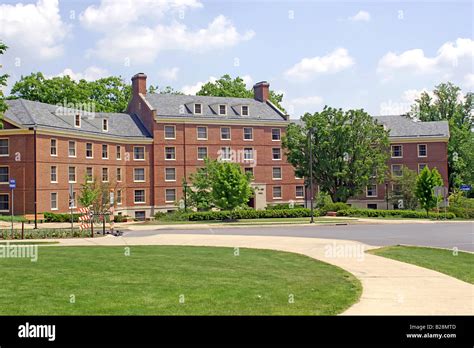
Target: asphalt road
{"x": 444, "y": 235}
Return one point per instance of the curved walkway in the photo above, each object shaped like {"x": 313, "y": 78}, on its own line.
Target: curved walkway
{"x": 389, "y": 287}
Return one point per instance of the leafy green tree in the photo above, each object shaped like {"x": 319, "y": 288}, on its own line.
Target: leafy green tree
{"x": 425, "y": 184}
{"x": 228, "y": 87}
{"x": 448, "y": 104}
{"x": 404, "y": 188}
{"x": 199, "y": 195}
{"x": 165, "y": 90}
{"x": 90, "y": 192}
{"x": 349, "y": 151}
{"x": 3, "y": 82}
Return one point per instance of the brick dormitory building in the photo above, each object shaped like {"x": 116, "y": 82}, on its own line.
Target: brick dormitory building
{"x": 162, "y": 138}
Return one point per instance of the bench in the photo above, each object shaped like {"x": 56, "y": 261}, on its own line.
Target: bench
{"x": 31, "y": 217}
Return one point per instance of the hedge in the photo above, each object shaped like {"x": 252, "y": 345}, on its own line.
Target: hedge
{"x": 66, "y": 217}
{"x": 334, "y": 207}
{"x": 44, "y": 233}
{"x": 393, "y": 213}
{"x": 251, "y": 214}
{"x": 463, "y": 213}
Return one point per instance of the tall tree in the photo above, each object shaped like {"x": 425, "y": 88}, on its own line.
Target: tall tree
{"x": 425, "y": 184}
{"x": 349, "y": 150}
{"x": 449, "y": 104}
{"x": 404, "y": 189}
{"x": 228, "y": 87}
{"x": 199, "y": 195}
{"x": 3, "y": 83}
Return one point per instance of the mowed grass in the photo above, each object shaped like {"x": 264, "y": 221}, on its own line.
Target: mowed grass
{"x": 153, "y": 279}
{"x": 459, "y": 266}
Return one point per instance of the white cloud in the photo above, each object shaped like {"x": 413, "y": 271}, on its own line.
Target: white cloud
{"x": 248, "y": 80}
{"x": 193, "y": 89}
{"x": 301, "y": 105}
{"x": 333, "y": 62}
{"x": 34, "y": 29}
{"x": 469, "y": 81}
{"x": 361, "y": 16}
{"x": 170, "y": 74}
{"x": 410, "y": 95}
{"x": 91, "y": 73}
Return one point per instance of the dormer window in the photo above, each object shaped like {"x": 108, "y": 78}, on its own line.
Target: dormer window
{"x": 105, "y": 125}
{"x": 197, "y": 109}
{"x": 222, "y": 109}
{"x": 77, "y": 121}
{"x": 245, "y": 110}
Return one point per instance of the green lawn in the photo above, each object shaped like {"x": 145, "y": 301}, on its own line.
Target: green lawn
{"x": 150, "y": 281}
{"x": 459, "y": 266}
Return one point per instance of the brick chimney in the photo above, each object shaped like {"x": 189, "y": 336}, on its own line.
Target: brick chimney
{"x": 261, "y": 91}
{"x": 139, "y": 84}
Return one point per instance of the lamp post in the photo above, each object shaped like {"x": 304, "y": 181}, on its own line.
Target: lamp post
{"x": 311, "y": 190}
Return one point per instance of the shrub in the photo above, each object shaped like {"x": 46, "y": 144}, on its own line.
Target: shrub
{"x": 282, "y": 206}
{"x": 463, "y": 213}
{"x": 251, "y": 214}
{"x": 393, "y": 213}
{"x": 334, "y": 207}
{"x": 176, "y": 215}
{"x": 120, "y": 218}
{"x": 44, "y": 233}
{"x": 66, "y": 217}
{"x": 8, "y": 218}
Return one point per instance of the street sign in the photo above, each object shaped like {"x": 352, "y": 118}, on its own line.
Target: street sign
{"x": 12, "y": 183}
{"x": 465, "y": 187}
{"x": 440, "y": 191}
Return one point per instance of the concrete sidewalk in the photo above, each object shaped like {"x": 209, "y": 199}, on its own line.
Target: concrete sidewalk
{"x": 389, "y": 287}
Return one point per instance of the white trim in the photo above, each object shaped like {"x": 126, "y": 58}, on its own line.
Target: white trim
{"x": 194, "y": 109}
{"x": 279, "y": 132}
{"x": 230, "y": 133}
{"x": 197, "y": 152}
{"x": 102, "y": 174}
{"x": 105, "y": 122}
{"x": 391, "y": 151}
{"x": 367, "y": 191}
{"x": 51, "y": 200}
{"x": 219, "y": 110}
{"x": 92, "y": 150}
{"x": 243, "y": 133}
{"x": 281, "y": 174}
{"x": 197, "y": 133}
{"x": 68, "y": 149}
{"x": 144, "y": 174}
{"x": 281, "y": 192}
{"x": 277, "y": 159}
{"x": 8, "y": 179}
{"x": 242, "y": 110}
{"x": 117, "y": 169}
{"x": 102, "y": 151}
{"x": 9, "y": 203}
{"x": 418, "y": 150}
{"x": 175, "y": 195}
{"x": 139, "y": 159}
{"x": 144, "y": 196}
{"x": 296, "y": 196}
{"x": 170, "y": 159}
{"x": 401, "y": 169}
{"x": 80, "y": 121}
{"x": 50, "y": 174}
{"x": 75, "y": 175}
{"x": 119, "y": 147}
{"x": 172, "y": 180}
{"x": 174, "y": 131}
{"x": 8, "y": 147}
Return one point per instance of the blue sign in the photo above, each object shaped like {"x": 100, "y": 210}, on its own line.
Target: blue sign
{"x": 465, "y": 187}
{"x": 12, "y": 183}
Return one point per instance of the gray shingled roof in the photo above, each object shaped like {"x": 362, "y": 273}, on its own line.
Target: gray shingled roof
{"x": 402, "y": 127}
{"x": 167, "y": 105}
{"x": 29, "y": 113}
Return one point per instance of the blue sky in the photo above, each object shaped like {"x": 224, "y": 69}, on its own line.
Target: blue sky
{"x": 353, "y": 54}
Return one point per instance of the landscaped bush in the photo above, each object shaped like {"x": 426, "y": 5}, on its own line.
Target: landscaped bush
{"x": 251, "y": 214}
{"x": 120, "y": 218}
{"x": 334, "y": 207}
{"x": 8, "y": 218}
{"x": 463, "y": 213}
{"x": 176, "y": 215}
{"x": 280, "y": 206}
{"x": 44, "y": 233}
{"x": 66, "y": 217}
{"x": 393, "y": 213}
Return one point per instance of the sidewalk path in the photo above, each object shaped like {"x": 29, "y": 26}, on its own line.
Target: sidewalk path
{"x": 389, "y": 287}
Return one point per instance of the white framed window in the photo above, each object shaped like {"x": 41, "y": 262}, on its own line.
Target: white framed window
{"x": 197, "y": 109}
{"x": 119, "y": 174}
{"x": 276, "y": 173}
{"x": 118, "y": 152}
{"x": 225, "y": 153}
{"x": 72, "y": 148}
{"x": 77, "y": 121}
{"x": 170, "y": 195}
{"x": 170, "y": 132}
{"x": 139, "y": 196}
{"x": 299, "y": 191}
{"x": 4, "y": 148}
{"x": 248, "y": 154}
{"x": 201, "y": 133}
{"x": 276, "y": 192}
{"x": 420, "y": 167}
{"x": 139, "y": 153}
{"x": 105, "y": 151}
{"x": 397, "y": 170}
{"x": 422, "y": 150}
{"x": 170, "y": 174}
{"x": 53, "y": 149}
{"x": 139, "y": 174}
{"x": 201, "y": 153}
{"x": 248, "y": 170}
{"x": 170, "y": 153}
{"x": 105, "y": 174}
{"x": 4, "y": 202}
{"x": 4, "y": 175}
{"x": 276, "y": 134}
{"x": 72, "y": 174}
{"x": 397, "y": 151}
{"x": 54, "y": 201}
{"x": 54, "y": 174}
{"x": 371, "y": 191}
{"x": 89, "y": 174}
{"x": 248, "y": 133}
{"x": 244, "y": 110}
{"x": 105, "y": 125}
{"x": 222, "y": 109}
{"x": 89, "y": 150}
{"x": 276, "y": 154}
{"x": 119, "y": 197}
{"x": 225, "y": 133}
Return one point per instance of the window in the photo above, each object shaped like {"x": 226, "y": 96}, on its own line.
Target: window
{"x": 277, "y": 192}
{"x": 4, "y": 202}
{"x": 422, "y": 151}
{"x": 119, "y": 174}
{"x": 119, "y": 197}
{"x": 372, "y": 206}
{"x": 225, "y": 133}
{"x": 248, "y": 154}
{"x": 4, "y": 175}
{"x": 139, "y": 174}
{"x": 105, "y": 174}
{"x": 72, "y": 149}
{"x": 72, "y": 174}
{"x": 89, "y": 152}
{"x": 140, "y": 215}
{"x": 53, "y": 148}
{"x": 397, "y": 151}
{"x": 170, "y": 174}
{"x": 202, "y": 133}
{"x": 248, "y": 133}
{"x": 276, "y": 134}
{"x": 248, "y": 170}
{"x": 139, "y": 196}
{"x": 105, "y": 125}
{"x": 201, "y": 153}
{"x": 396, "y": 169}
{"x": 138, "y": 153}
{"x": 170, "y": 195}
{"x": 77, "y": 121}
{"x": 170, "y": 132}
{"x": 245, "y": 110}
{"x": 54, "y": 174}
{"x": 198, "y": 109}
{"x": 105, "y": 151}
{"x": 396, "y": 189}
{"x": 222, "y": 109}
{"x": 72, "y": 201}
{"x": 54, "y": 201}
{"x": 276, "y": 153}
{"x": 170, "y": 153}
{"x": 420, "y": 167}
{"x": 118, "y": 153}
{"x": 89, "y": 174}
{"x": 371, "y": 191}
{"x": 4, "y": 147}
{"x": 299, "y": 192}
{"x": 225, "y": 153}
{"x": 276, "y": 173}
